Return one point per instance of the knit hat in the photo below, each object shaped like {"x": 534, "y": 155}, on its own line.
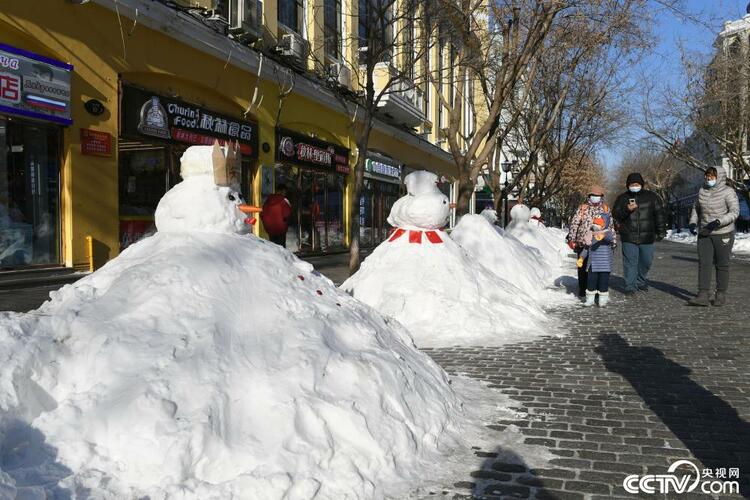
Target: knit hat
{"x": 635, "y": 178}
{"x": 596, "y": 190}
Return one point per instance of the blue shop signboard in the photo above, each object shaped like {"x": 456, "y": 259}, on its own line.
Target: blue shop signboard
{"x": 34, "y": 86}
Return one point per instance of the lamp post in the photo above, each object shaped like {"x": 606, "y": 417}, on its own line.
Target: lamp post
{"x": 506, "y": 166}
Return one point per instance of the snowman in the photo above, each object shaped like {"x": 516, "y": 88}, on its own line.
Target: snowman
{"x": 208, "y": 198}
{"x": 426, "y": 281}
{"x": 204, "y": 362}
{"x": 535, "y": 235}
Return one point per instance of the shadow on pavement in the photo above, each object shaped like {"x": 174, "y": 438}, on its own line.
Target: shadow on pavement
{"x": 709, "y": 427}
{"x": 504, "y": 474}
{"x": 688, "y": 259}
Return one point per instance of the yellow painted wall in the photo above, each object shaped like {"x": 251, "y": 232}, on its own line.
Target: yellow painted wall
{"x": 88, "y": 36}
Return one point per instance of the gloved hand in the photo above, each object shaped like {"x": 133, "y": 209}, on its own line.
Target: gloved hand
{"x": 693, "y": 228}
{"x": 713, "y": 225}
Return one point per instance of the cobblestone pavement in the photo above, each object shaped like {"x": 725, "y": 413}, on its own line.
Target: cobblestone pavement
{"x": 631, "y": 389}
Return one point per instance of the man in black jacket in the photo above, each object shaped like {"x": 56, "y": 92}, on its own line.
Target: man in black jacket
{"x": 640, "y": 215}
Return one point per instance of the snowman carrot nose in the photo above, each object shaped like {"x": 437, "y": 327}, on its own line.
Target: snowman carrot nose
{"x": 249, "y": 209}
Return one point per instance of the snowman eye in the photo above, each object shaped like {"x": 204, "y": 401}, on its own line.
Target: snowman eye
{"x": 231, "y": 197}
{"x": 444, "y": 202}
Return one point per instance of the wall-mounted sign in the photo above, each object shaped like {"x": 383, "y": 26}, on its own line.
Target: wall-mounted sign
{"x": 34, "y": 86}
{"x": 94, "y": 106}
{"x": 96, "y": 143}
{"x": 150, "y": 114}
{"x": 378, "y": 167}
{"x": 291, "y": 146}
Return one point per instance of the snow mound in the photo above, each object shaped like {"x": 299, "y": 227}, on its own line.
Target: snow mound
{"x": 507, "y": 257}
{"x": 490, "y": 215}
{"x": 204, "y": 365}
{"x": 444, "y": 296}
{"x": 550, "y": 242}
{"x": 741, "y": 240}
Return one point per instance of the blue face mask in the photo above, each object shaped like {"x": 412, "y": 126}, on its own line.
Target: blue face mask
{"x": 595, "y": 199}
{"x": 634, "y": 189}
{"x": 711, "y": 183}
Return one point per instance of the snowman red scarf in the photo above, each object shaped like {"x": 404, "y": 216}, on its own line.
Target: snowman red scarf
{"x": 415, "y": 236}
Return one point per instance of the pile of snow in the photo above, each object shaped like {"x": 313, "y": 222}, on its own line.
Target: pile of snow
{"x": 509, "y": 258}
{"x": 426, "y": 281}
{"x": 205, "y": 363}
{"x": 741, "y": 240}
{"x": 549, "y": 241}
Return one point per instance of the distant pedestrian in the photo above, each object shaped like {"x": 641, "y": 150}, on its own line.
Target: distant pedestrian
{"x": 600, "y": 242}
{"x": 275, "y": 215}
{"x": 580, "y": 225}
{"x": 713, "y": 219}
{"x": 640, "y": 216}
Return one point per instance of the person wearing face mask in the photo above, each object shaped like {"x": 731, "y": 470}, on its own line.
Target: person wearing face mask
{"x": 712, "y": 220}
{"x": 642, "y": 221}
{"x": 580, "y": 225}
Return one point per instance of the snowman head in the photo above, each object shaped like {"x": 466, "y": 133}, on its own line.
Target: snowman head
{"x": 424, "y": 206}
{"x": 520, "y": 213}
{"x": 208, "y": 198}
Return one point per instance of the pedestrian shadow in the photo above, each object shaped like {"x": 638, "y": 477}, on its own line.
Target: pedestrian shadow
{"x": 618, "y": 283}
{"x": 504, "y": 474}
{"x": 32, "y": 465}
{"x": 708, "y": 426}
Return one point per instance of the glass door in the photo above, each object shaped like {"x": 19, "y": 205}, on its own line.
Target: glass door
{"x": 29, "y": 194}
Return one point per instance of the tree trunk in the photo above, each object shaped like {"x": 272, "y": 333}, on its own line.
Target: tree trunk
{"x": 465, "y": 190}
{"x": 359, "y": 175}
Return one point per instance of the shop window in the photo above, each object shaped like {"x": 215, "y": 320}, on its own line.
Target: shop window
{"x": 29, "y": 194}
{"x": 375, "y": 30}
{"x": 335, "y": 210}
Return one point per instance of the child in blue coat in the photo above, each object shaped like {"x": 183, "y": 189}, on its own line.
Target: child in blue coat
{"x": 600, "y": 241}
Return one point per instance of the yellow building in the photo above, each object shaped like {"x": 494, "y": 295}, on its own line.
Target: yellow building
{"x": 99, "y": 98}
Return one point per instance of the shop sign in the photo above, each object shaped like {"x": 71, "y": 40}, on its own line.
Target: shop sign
{"x": 291, "y": 146}
{"x": 96, "y": 143}
{"x": 34, "y": 86}
{"x": 384, "y": 169}
{"x": 170, "y": 119}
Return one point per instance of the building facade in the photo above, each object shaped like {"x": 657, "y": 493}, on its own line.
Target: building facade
{"x": 100, "y": 98}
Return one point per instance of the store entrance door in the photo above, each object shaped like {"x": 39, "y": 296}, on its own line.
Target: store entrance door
{"x": 311, "y": 220}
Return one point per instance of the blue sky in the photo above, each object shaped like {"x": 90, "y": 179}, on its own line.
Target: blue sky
{"x": 673, "y": 30}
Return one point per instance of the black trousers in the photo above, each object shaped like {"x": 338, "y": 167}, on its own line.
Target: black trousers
{"x": 279, "y": 239}
{"x": 714, "y": 252}
{"x": 583, "y": 277}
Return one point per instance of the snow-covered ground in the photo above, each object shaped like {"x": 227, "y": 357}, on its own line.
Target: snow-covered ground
{"x": 207, "y": 363}
{"x": 741, "y": 241}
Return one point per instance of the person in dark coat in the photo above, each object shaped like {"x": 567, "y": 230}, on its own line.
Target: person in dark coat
{"x": 275, "y": 215}
{"x": 642, "y": 221}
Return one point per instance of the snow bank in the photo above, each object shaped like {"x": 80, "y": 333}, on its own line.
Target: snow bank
{"x": 444, "y": 296}
{"x": 509, "y": 258}
{"x": 741, "y": 240}
{"x": 213, "y": 365}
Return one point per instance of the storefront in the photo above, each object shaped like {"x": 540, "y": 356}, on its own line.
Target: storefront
{"x": 314, "y": 173}
{"x": 155, "y": 132}
{"x": 380, "y": 190}
{"x": 34, "y": 108}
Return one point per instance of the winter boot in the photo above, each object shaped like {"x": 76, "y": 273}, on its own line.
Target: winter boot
{"x": 603, "y": 299}
{"x": 590, "y": 298}
{"x": 721, "y": 298}
{"x": 701, "y": 300}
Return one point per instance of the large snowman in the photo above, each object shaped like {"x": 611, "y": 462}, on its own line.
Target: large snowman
{"x": 204, "y": 362}
{"x": 426, "y": 281}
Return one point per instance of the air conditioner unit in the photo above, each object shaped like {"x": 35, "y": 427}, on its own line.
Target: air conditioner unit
{"x": 294, "y": 47}
{"x": 340, "y": 74}
{"x": 245, "y": 19}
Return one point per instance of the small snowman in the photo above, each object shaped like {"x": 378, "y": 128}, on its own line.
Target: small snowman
{"x": 421, "y": 212}
{"x": 208, "y": 198}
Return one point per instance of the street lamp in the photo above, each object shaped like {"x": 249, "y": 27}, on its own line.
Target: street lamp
{"x": 506, "y": 166}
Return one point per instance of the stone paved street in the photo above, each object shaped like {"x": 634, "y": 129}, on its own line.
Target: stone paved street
{"x": 631, "y": 389}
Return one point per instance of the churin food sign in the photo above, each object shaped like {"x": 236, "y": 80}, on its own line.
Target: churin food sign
{"x": 170, "y": 119}
{"x": 298, "y": 148}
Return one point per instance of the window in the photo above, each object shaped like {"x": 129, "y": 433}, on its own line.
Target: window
{"x": 441, "y": 81}
{"x": 375, "y": 29}
{"x": 332, "y": 28}
{"x": 291, "y": 14}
